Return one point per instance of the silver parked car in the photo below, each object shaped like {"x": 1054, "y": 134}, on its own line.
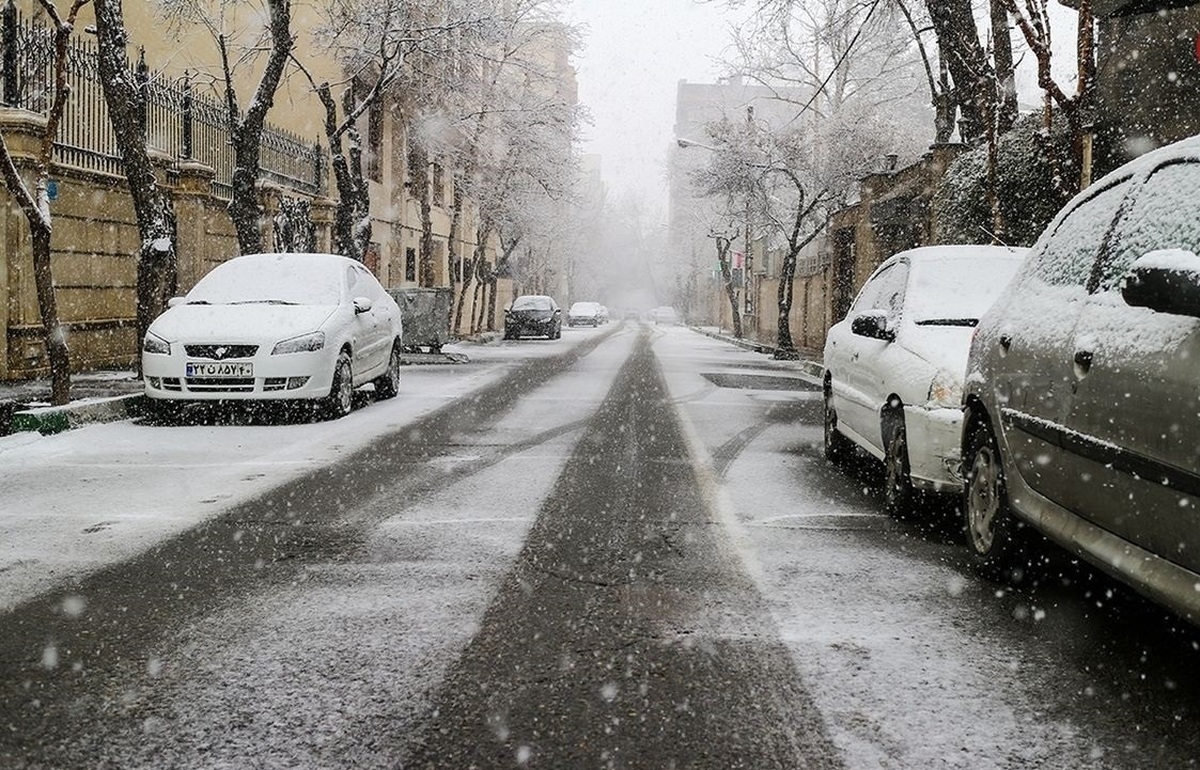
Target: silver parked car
{"x": 1083, "y": 389}
{"x": 894, "y": 366}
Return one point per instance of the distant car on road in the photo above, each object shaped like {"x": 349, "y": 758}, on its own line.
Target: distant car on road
{"x": 1082, "y": 389}
{"x": 894, "y": 366}
{"x": 584, "y": 314}
{"x": 534, "y": 315}
{"x": 271, "y": 327}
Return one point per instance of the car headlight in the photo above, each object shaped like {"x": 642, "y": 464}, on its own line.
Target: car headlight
{"x": 155, "y": 344}
{"x": 305, "y": 343}
{"x": 945, "y": 390}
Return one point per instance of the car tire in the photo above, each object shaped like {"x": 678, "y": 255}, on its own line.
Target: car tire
{"x": 899, "y": 496}
{"x": 557, "y": 335}
{"x": 991, "y": 528}
{"x": 340, "y": 400}
{"x": 837, "y": 446}
{"x": 387, "y": 385}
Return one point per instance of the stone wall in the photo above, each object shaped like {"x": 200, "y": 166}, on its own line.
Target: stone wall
{"x": 94, "y": 248}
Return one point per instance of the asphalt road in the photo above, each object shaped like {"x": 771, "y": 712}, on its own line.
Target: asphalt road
{"x": 594, "y": 655}
{"x": 628, "y": 553}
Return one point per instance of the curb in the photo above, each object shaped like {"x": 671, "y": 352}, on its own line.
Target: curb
{"x": 810, "y": 367}
{"x": 55, "y": 419}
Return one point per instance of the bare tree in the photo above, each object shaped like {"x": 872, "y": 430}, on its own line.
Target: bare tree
{"x": 825, "y": 55}
{"x": 157, "y": 262}
{"x": 941, "y": 93}
{"x": 970, "y": 70}
{"x": 1033, "y": 19}
{"x": 507, "y": 135}
{"x": 246, "y": 122}
{"x": 35, "y": 204}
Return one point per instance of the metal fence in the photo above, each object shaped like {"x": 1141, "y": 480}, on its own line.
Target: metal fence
{"x": 186, "y": 125}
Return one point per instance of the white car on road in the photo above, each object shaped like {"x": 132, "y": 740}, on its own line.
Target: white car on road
{"x": 272, "y": 327}
{"x": 894, "y": 366}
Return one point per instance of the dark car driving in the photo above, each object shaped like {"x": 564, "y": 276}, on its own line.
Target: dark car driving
{"x": 533, "y": 315}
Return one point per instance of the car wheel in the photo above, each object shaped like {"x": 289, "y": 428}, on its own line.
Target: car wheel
{"x": 899, "y": 497}
{"x": 837, "y": 446}
{"x": 387, "y": 385}
{"x": 557, "y": 335}
{"x": 341, "y": 392}
{"x": 990, "y": 527}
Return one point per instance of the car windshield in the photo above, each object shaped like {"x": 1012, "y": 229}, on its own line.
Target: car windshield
{"x": 531, "y": 303}
{"x": 276, "y": 279}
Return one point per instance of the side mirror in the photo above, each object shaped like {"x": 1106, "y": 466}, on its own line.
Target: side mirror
{"x": 173, "y": 301}
{"x": 1166, "y": 281}
{"x": 873, "y": 324}
{"x": 361, "y": 305}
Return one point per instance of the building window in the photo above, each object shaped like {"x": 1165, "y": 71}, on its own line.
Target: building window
{"x": 410, "y": 265}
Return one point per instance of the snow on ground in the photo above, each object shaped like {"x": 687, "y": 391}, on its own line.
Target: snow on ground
{"x": 880, "y": 623}
{"x": 410, "y": 600}
{"x": 74, "y": 502}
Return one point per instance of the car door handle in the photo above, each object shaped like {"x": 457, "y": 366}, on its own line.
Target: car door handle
{"x": 1083, "y": 360}
{"x": 1005, "y": 342}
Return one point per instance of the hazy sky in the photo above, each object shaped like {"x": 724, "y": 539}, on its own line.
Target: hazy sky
{"x": 634, "y": 54}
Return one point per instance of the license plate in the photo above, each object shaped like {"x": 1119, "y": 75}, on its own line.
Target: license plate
{"x": 220, "y": 369}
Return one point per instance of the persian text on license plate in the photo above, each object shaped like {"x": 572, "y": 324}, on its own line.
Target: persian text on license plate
{"x": 220, "y": 369}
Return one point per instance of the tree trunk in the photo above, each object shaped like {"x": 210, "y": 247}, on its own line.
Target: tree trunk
{"x": 352, "y": 217}
{"x": 55, "y": 334}
{"x": 958, "y": 41}
{"x": 418, "y": 170}
{"x": 453, "y": 253}
{"x": 157, "y": 262}
{"x": 785, "y": 348}
{"x": 482, "y": 234}
{"x": 246, "y": 130}
{"x": 1006, "y": 81}
{"x": 723, "y": 247}
{"x": 36, "y": 208}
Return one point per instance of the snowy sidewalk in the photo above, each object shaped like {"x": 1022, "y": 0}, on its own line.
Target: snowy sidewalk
{"x": 73, "y": 502}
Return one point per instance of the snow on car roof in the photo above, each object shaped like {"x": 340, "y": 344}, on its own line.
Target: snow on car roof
{"x": 957, "y": 282}
{"x": 304, "y": 279}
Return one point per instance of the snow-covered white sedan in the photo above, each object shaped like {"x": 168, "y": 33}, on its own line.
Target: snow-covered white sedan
{"x": 894, "y": 366}
{"x": 276, "y": 327}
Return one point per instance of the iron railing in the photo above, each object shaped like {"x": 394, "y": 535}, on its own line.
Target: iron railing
{"x": 186, "y": 125}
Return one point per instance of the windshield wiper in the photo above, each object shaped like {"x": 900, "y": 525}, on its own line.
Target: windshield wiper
{"x": 199, "y": 302}
{"x": 949, "y": 322}
{"x": 264, "y": 302}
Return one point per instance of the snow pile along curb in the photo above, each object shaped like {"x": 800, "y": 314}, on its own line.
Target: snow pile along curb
{"x": 810, "y": 367}
{"x": 53, "y": 419}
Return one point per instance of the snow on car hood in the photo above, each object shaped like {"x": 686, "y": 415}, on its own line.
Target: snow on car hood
{"x": 233, "y": 323}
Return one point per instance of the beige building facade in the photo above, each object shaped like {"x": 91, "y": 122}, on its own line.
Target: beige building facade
{"x": 95, "y": 234}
